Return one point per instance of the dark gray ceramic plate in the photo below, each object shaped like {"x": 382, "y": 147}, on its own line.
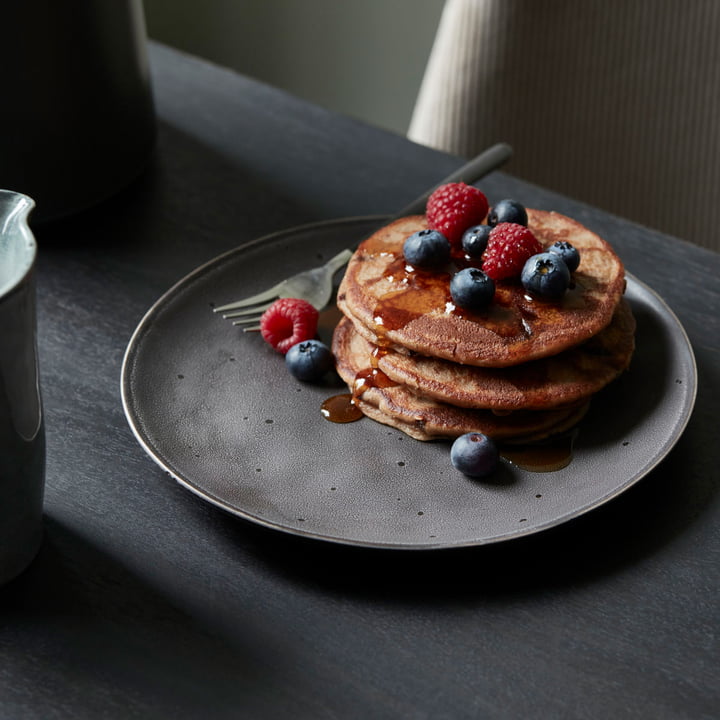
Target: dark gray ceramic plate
{"x": 217, "y": 410}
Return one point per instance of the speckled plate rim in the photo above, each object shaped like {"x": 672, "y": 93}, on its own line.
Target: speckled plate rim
{"x": 680, "y": 341}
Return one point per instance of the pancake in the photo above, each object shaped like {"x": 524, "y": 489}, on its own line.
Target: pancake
{"x": 432, "y": 423}
{"x": 409, "y": 310}
{"x": 427, "y": 419}
{"x": 559, "y": 380}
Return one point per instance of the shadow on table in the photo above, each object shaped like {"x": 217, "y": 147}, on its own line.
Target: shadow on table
{"x": 105, "y": 640}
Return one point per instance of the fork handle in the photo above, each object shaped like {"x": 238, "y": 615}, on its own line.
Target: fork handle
{"x": 488, "y": 160}
{"x": 482, "y": 164}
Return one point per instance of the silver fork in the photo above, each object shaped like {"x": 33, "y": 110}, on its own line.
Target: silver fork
{"x": 316, "y": 285}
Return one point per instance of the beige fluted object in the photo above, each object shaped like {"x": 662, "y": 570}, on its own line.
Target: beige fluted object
{"x": 613, "y": 102}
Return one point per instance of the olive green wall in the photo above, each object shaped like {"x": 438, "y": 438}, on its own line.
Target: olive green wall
{"x": 363, "y": 58}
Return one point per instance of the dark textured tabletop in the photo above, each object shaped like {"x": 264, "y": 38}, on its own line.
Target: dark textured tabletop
{"x": 147, "y": 602}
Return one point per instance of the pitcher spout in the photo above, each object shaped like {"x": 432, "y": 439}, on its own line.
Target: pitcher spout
{"x": 17, "y": 242}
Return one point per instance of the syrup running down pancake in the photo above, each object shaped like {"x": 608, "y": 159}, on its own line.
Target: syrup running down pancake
{"x": 551, "y": 382}
{"x": 427, "y": 419}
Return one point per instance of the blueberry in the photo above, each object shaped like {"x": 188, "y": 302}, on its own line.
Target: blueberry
{"x": 508, "y": 211}
{"x": 472, "y": 289}
{"x": 474, "y": 454}
{"x": 427, "y": 249}
{"x": 475, "y": 239}
{"x": 567, "y": 252}
{"x": 309, "y": 360}
{"x": 546, "y": 275}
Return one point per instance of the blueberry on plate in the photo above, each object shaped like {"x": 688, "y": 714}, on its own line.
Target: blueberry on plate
{"x": 427, "y": 249}
{"x": 546, "y": 275}
{"x": 507, "y": 211}
{"x": 309, "y": 360}
{"x": 475, "y": 240}
{"x": 472, "y": 289}
{"x": 569, "y": 253}
{"x": 474, "y": 454}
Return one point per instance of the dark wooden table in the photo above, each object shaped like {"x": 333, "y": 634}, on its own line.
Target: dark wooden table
{"x": 147, "y": 602}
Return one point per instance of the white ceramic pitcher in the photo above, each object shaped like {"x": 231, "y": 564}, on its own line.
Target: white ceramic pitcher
{"x": 22, "y": 437}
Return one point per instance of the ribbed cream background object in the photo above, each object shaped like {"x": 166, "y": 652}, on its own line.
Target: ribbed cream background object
{"x": 613, "y": 102}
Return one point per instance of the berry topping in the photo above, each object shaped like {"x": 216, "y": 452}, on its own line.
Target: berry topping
{"x": 472, "y": 289}
{"x": 474, "y": 454}
{"x": 567, "y": 252}
{"x": 453, "y": 208}
{"x": 508, "y": 211}
{"x": 474, "y": 240}
{"x": 309, "y": 360}
{"x": 427, "y": 249}
{"x": 288, "y": 321}
{"x": 546, "y": 275}
{"x": 509, "y": 246}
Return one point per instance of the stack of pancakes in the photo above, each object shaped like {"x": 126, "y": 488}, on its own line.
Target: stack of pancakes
{"x": 520, "y": 371}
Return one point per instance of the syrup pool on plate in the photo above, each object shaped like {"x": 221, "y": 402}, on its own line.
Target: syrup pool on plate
{"x": 341, "y": 409}
{"x": 547, "y": 456}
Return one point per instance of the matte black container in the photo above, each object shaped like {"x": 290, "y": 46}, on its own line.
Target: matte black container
{"x": 77, "y": 121}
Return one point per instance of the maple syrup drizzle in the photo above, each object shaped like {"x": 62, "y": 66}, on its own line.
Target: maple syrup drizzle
{"x": 416, "y": 292}
{"x": 341, "y": 409}
{"x": 545, "y": 456}
{"x": 377, "y": 353}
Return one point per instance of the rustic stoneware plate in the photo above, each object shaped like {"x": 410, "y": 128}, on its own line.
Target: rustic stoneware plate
{"x": 217, "y": 410}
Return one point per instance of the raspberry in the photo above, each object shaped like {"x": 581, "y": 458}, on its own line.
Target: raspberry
{"x": 509, "y": 246}
{"x": 453, "y": 208}
{"x": 288, "y": 321}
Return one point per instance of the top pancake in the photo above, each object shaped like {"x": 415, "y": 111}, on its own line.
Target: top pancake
{"x": 407, "y": 309}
